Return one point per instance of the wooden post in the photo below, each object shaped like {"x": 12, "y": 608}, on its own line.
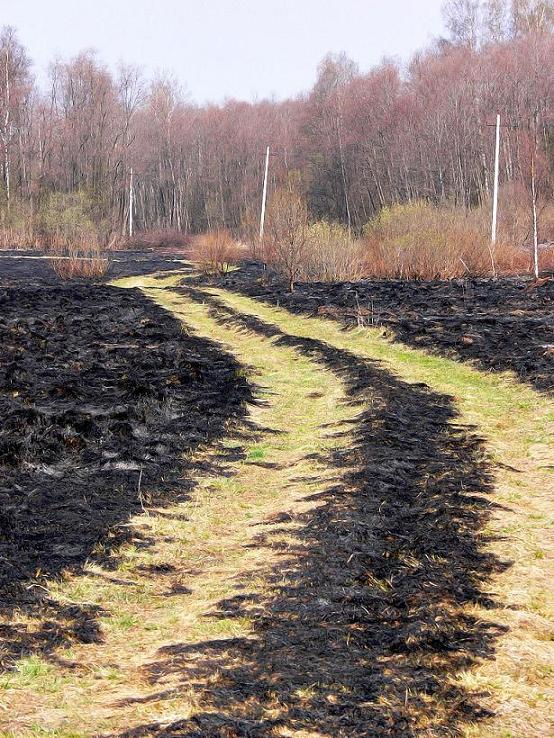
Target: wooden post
{"x": 534, "y": 195}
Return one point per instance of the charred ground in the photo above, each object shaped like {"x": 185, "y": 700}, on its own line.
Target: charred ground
{"x": 19, "y": 268}
{"x": 500, "y": 324}
{"x": 102, "y": 394}
{"x": 364, "y": 625}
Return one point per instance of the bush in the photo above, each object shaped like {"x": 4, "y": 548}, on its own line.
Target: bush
{"x": 69, "y": 233}
{"x": 285, "y": 245}
{"x": 217, "y": 251}
{"x": 82, "y": 265}
{"x": 163, "y": 238}
{"x": 17, "y": 226}
{"x": 421, "y": 241}
{"x": 332, "y": 255}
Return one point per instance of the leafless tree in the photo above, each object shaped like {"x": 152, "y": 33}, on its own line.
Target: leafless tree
{"x": 287, "y": 232}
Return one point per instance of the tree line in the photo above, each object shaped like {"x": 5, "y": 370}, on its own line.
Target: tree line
{"x": 357, "y": 141}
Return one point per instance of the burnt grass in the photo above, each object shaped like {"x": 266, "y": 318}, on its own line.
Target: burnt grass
{"x": 365, "y": 620}
{"x": 102, "y": 393}
{"x": 34, "y": 266}
{"x": 499, "y": 325}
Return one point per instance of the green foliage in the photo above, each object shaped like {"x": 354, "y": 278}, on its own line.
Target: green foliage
{"x": 66, "y": 219}
{"x": 16, "y": 224}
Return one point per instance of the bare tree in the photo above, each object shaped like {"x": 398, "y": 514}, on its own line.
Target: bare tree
{"x": 532, "y": 16}
{"x": 287, "y": 232}
{"x": 494, "y": 21}
{"x": 14, "y": 89}
{"x": 462, "y": 20}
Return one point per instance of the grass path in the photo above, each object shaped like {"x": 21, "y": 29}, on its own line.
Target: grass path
{"x": 204, "y": 553}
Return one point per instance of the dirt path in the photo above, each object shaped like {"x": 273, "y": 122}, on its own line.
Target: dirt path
{"x": 341, "y": 574}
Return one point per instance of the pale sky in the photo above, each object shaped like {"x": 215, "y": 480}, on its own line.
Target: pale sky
{"x": 245, "y": 49}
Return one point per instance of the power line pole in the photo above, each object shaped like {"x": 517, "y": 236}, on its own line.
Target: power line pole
{"x": 264, "y": 195}
{"x": 131, "y": 204}
{"x": 496, "y": 171}
{"x": 534, "y": 195}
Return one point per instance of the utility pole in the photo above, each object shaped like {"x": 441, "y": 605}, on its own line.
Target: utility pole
{"x": 131, "y": 204}
{"x": 534, "y": 195}
{"x": 496, "y": 170}
{"x": 264, "y": 195}
{"x": 495, "y": 195}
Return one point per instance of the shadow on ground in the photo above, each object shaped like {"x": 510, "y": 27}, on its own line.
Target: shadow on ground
{"x": 103, "y": 394}
{"x": 366, "y": 622}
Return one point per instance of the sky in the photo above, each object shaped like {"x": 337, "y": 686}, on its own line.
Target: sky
{"x": 217, "y": 49}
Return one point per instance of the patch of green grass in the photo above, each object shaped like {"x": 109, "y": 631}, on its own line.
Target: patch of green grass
{"x": 256, "y": 453}
{"x": 33, "y": 672}
{"x": 124, "y": 622}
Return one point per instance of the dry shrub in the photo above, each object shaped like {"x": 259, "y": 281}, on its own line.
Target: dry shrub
{"x": 80, "y": 259}
{"x": 332, "y": 255}
{"x": 419, "y": 240}
{"x": 217, "y": 251}
{"x": 163, "y": 238}
{"x": 285, "y": 245}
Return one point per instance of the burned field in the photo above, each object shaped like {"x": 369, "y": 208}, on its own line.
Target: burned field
{"x": 102, "y": 394}
{"x": 363, "y": 624}
{"x": 500, "y": 325}
{"x": 350, "y": 601}
{"x": 35, "y": 267}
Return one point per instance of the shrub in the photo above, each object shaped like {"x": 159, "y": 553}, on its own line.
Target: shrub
{"x": 421, "y": 241}
{"x": 217, "y": 251}
{"x": 286, "y": 242}
{"x": 17, "y": 226}
{"x": 69, "y": 233}
{"x": 82, "y": 264}
{"x": 162, "y": 238}
{"x": 332, "y": 255}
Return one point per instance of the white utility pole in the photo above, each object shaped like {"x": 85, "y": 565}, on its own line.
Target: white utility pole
{"x": 264, "y": 195}
{"x": 496, "y": 170}
{"x": 131, "y": 204}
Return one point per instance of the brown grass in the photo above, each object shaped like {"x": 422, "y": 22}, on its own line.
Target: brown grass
{"x": 216, "y": 252}
{"x": 78, "y": 260}
{"x": 161, "y": 238}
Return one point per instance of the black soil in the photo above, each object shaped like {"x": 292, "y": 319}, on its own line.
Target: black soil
{"x": 501, "y": 325}
{"x": 102, "y": 393}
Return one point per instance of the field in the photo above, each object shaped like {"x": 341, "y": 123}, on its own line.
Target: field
{"x": 227, "y": 510}
{"x": 505, "y": 324}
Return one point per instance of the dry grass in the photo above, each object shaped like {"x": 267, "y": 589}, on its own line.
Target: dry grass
{"x": 216, "y": 252}
{"x": 79, "y": 261}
